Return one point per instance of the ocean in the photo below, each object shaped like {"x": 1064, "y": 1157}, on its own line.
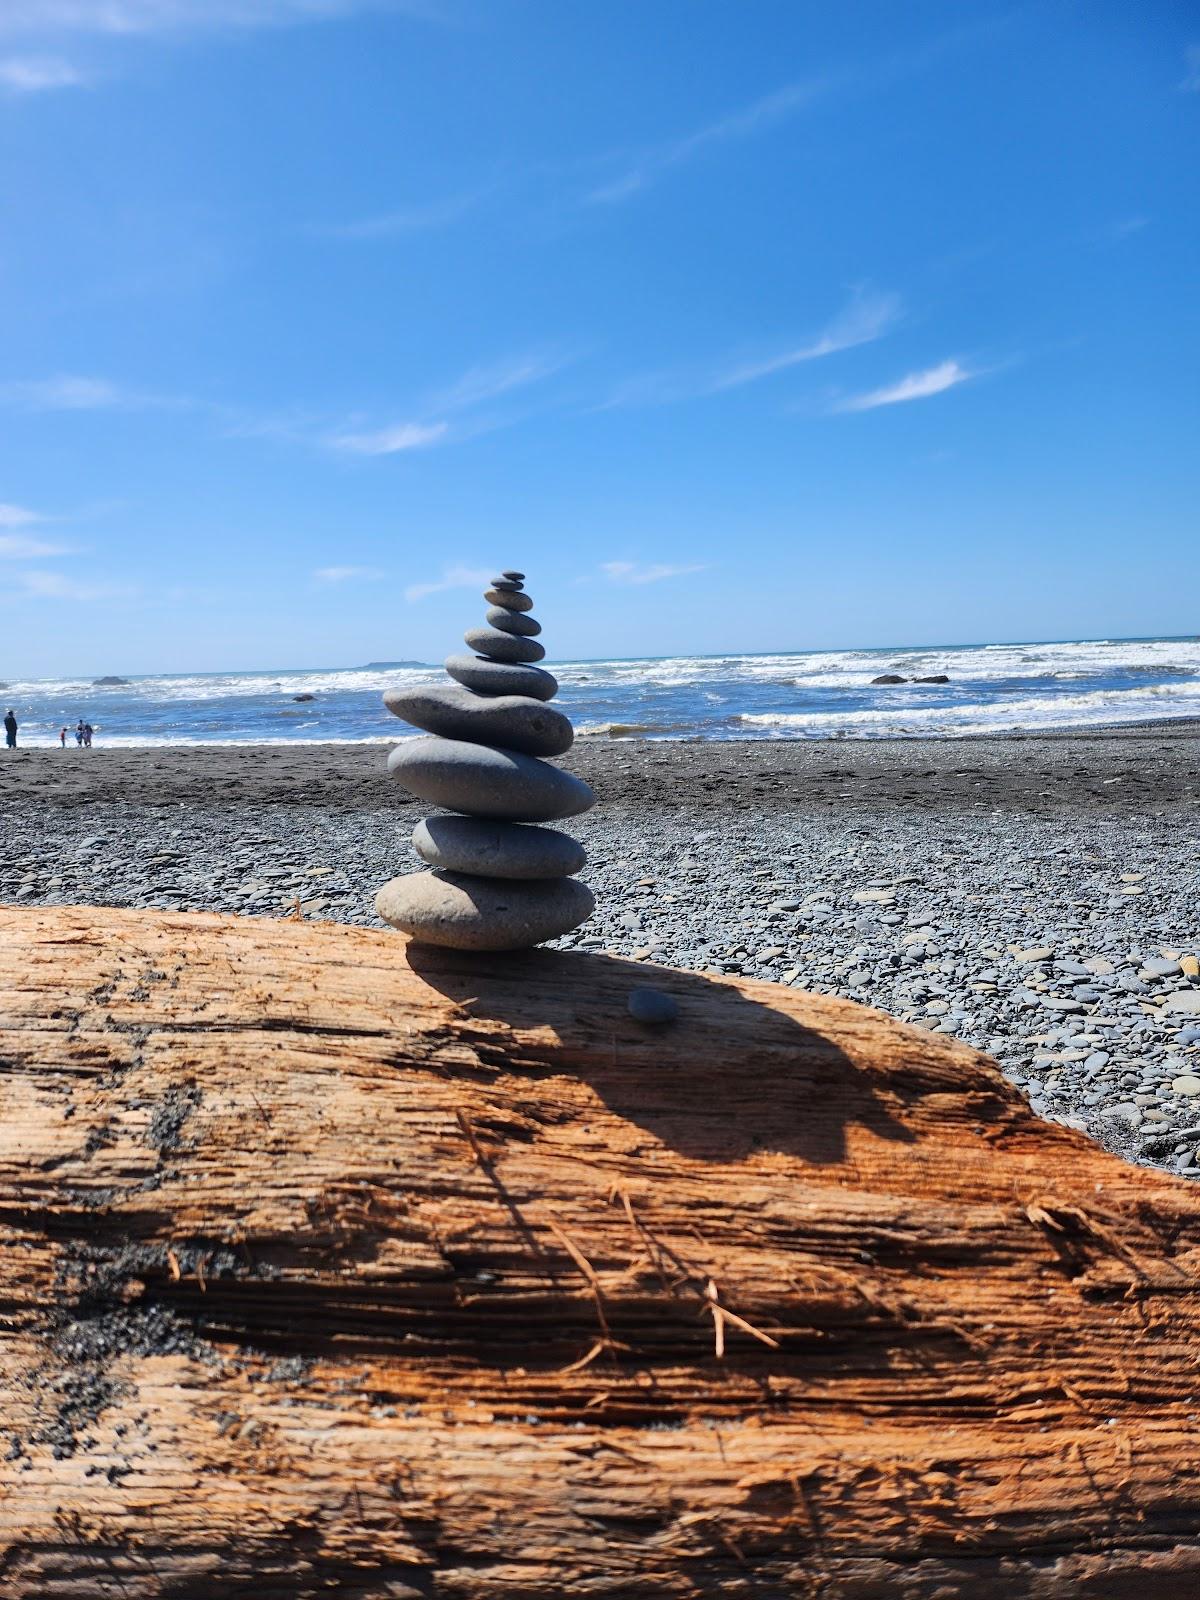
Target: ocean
{"x": 820, "y": 694}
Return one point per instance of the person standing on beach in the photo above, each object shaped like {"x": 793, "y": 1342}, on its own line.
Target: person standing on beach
{"x": 10, "y": 730}
{"x": 88, "y": 730}
{"x": 79, "y": 733}
{"x": 62, "y": 737}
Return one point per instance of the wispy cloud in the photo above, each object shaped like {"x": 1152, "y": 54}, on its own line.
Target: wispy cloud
{"x": 639, "y": 572}
{"x": 17, "y": 547}
{"x": 35, "y": 74}
{"x": 18, "y": 516}
{"x": 404, "y": 219}
{"x": 392, "y": 440}
{"x": 180, "y": 16}
{"x": 70, "y": 393}
{"x": 60, "y": 586}
{"x": 480, "y": 384}
{"x": 1191, "y": 77}
{"x": 917, "y": 386}
{"x": 868, "y": 317}
{"x": 21, "y": 546}
{"x": 456, "y": 577}
{"x": 474, "y": 390}
{"x": 754, "y": 118}
{"x": 345, "y": 574}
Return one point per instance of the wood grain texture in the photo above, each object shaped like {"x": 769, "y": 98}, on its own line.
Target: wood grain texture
{"x": 332, "y": 1267}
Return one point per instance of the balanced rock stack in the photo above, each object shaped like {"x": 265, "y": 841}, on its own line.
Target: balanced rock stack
{"x": 499, "y": 881}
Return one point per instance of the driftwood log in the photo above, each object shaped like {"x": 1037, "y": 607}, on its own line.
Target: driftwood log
{"x": 331, "y": 1267}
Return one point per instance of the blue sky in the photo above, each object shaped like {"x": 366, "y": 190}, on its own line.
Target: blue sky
{"x": 738, "y": 326}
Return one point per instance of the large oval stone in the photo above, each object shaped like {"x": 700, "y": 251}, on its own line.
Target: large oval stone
{"x": 488, "y": 783}
{"x": 497, "y": 849}
{"x": 463, "y": 912}
{"x": 512, "y": 621}
{"x": 500, "y": 595}
{"x": 502, "y": 677}
{"x": 503, "y": 646}
{"x": 512, "y": 721}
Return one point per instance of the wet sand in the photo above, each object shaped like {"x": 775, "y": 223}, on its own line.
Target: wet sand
{"x": 1136, "y": 771}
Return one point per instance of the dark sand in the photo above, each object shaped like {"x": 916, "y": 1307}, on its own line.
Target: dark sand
{"x": 1134, "y": 771}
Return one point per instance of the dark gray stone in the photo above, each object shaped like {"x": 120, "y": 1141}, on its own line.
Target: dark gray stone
{"x": 502, "y": 677}
{"x": 501, "y": 594}
{"x": 499, "y": 646}
{"x": 513, "y": 622}
{"x": 463, "y": 912}
{"x": 513, "y": 577}
{"x": 483, "y": 782}
{"x": 515, "y": 722}
{"x": 653, "y": 1006}
{"x": 497, "y": 849}
{"x": 889, "y": 677}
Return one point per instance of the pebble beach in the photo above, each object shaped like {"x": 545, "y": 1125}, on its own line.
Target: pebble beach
{"x": 1035, "y": 897}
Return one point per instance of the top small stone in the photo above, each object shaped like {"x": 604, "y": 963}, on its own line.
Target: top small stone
{"x": 514, "y": 577}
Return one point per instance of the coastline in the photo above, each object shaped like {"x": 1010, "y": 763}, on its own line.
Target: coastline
{"x": 1118, "y": 769}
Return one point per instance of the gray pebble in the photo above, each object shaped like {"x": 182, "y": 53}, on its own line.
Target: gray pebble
{"x": 513, "y": 621}
{"x": 515, "y": 722}
{"x": 497, "y": 849}
{"x": 483, "y": 782}
{"x": 502, "y": 677}
{"x": 498, "y": 646}
{"x": 462, "y": 912}
{"x": 653, "y": 1006}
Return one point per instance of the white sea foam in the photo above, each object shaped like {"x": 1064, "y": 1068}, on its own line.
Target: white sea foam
{"x": 1168, "y": 700}
{"x": 818, "y": 693}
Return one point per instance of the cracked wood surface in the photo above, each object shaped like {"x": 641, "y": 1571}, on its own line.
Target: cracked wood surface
{"x": 334, "y": 1267}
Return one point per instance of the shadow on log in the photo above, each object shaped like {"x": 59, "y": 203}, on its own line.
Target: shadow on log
{"x": 337, "y": 1268}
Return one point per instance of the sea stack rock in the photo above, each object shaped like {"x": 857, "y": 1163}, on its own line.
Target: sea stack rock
{"x": 500, "y": 880}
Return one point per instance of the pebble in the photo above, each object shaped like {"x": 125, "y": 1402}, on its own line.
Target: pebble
{"x": 1187, "y": 1085}
{"x": 483, "y": 782}
{"x": 1183, "y": 1000}
{"x": 463, "y": 912}
{"x": 508, "y": 596}
{"x": 502, "y": 677}
{"x": 498, "y": 646}
{"x": 497, "y": 849}
{"x": 509, "y": 621}
{"x": 514, "y": 722}
{"x": 653, "y": 1006}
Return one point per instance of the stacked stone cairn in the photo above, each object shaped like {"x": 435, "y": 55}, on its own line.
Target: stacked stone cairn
{"x": 499, "y": 880}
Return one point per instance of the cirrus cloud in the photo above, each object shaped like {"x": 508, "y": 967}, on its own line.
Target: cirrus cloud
{"x": 455, "y": 577}
{"x": 641, "y": 572}
{"x": 916, "y": 386}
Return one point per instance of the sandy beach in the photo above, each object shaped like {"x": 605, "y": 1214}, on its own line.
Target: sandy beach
{"x": 1035, "y": 897}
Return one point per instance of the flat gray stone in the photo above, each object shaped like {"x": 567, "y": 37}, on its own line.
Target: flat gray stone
{"x": 498, "y": 646}
{"x": 513, "y": 577}
{"x": 653, "y": 1006}
{"x": 497, "y": 849}
{"x": 1185, "y": 1000}
{"x": 502, "y": 677}
{"x": 513, "y": 621}
{"x": 462, "y": 912}
{"x": 508, "y": 595}
{"x": 483, "y": 782}
{"x": 515, "y": 722}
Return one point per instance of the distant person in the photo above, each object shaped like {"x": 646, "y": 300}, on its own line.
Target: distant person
{"x": 79, "y": 733}
{"x": 88, "y": 730}
{"x": 10, "y": 730}
{"x": 62, "y": 737}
